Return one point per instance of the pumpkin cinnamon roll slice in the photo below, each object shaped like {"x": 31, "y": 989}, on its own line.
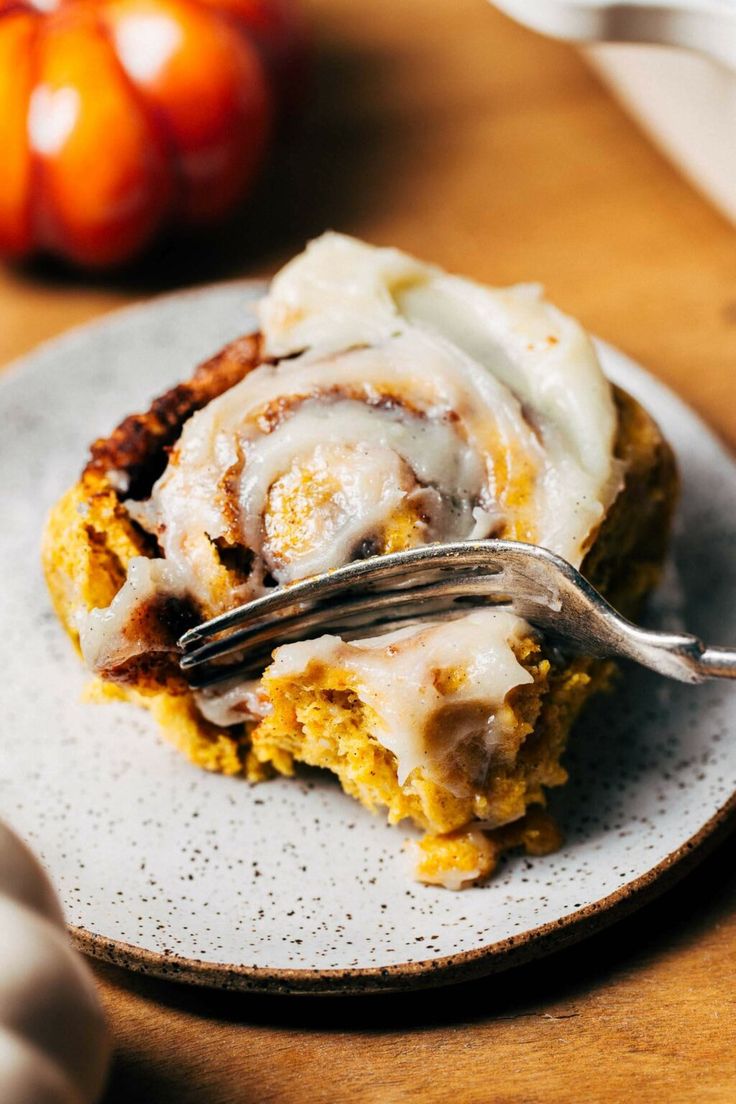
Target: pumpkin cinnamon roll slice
{"x": 384, "y": 405}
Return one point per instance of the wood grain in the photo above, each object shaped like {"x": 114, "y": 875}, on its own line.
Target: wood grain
{"x": 439, "y": 126}
{"x": 645, "y": 1010}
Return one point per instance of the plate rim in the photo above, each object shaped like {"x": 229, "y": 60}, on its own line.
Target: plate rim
{"x": 462, "y": 966}
{"x": 492, "y": 958}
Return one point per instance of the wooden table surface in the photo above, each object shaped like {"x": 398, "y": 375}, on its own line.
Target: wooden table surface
{"x": 441, "y": 127}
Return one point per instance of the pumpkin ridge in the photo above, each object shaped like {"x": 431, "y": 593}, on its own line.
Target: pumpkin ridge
{"x": 34, "y": 197}
{"x": 153, "y": 115}
{"x": 20, "y": 228}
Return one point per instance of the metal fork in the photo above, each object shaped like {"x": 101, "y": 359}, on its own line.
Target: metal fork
{"x": 441, "y": 580}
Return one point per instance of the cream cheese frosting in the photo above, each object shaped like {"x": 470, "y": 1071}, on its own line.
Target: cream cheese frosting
{"x": 532, "y": 371}
{"x": 389, "y": 390}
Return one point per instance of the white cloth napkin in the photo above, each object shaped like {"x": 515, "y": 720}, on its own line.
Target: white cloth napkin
{"x": 54, "y": 1044}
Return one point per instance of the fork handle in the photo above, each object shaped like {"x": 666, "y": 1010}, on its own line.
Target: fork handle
{"x": 681, "y": 656}
{"x": 718, "y": 663}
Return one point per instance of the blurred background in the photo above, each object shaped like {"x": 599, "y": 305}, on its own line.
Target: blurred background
{"x": 439, "y": 126}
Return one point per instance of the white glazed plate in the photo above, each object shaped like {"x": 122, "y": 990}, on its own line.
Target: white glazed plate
{"x": 290, "y": 885}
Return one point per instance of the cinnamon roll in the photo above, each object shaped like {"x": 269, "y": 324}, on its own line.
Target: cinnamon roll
{"x": 384, "y": 404}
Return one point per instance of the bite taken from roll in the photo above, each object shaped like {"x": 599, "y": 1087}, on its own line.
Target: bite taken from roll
{"x": 383, "y": 405}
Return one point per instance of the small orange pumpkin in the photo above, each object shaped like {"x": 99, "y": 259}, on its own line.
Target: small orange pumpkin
{"x": 118, "y": 117}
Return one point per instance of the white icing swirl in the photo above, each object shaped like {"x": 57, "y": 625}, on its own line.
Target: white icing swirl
{"x": 395, "y": 387}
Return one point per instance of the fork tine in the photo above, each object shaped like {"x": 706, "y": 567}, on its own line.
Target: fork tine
{"x": 439, "y": 593}
{"x": 373, "y": 572}
{"x": 255, "y": 657}
{"x": 253, "y": 666}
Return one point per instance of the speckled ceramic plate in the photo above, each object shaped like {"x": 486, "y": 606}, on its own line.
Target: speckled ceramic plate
{"x": 290, "y": 886}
